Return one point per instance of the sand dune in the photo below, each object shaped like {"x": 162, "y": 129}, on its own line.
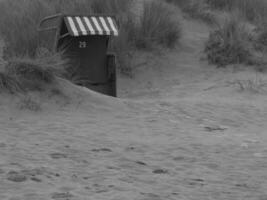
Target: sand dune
{"x": 182, "y": 130}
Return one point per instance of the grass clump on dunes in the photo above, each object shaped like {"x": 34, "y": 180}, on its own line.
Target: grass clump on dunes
{"x": 118, "y": 7}
{"x": 153, "y": 26}
{"x": 221, "y": 4}
{"x": 252, "y": 10}
{"x": 9, "y": 83}
{"x": 27, "y": 74}
{"x": 35, "y": 74}
{"x": 196, "y": 9}
{"x": 157, "y": 26}
{"x": 19, "y": 20}
{"x": 229, "y": 44}
{"x": 261, "y": 39}
{"x": 31, "y": 74}
{"x": 256, "y": 85}
{"x": 121, "y": 45}
{"x": 242, "y": 39}
{"x": 18, "y": 26}
{"x": 28, "y": 103}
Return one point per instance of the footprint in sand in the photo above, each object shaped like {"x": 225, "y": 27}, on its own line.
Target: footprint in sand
{"x": 2, "y": 171}
{"x": 58, "y": 155}
{"x": 62, "y": 196}
{"x": 35, "y": 175}
{"x": 150, "y": 196}
{"x": 15, "y": 198}
{"x": 141, "y": 163}
{"x": 33, "y": 172}
{"x": 263, "y": 197}
{"x": 96, "y": 188}
{"x": 102, "y": 150}
{"x": 136, "y": 149}
{"x": 2, "y": 145}
{"x": 185, "y": 159}
{"x": 160, "y": 171}
{"x": 196, "y": 182}
{"x": 35, "y": 179}
{"x": 15, "y": 176}
{"x": 130, "y": 148}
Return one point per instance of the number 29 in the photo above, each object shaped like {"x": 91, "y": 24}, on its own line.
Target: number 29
{"x": 82, "y": 44}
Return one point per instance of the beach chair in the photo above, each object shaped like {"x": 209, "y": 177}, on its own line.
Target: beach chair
{"x": 85, "y": 41}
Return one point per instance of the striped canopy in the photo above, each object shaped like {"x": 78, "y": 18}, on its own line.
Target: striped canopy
{"x": 91, "y": 25}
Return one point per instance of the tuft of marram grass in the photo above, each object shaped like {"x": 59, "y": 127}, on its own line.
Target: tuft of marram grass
{"x": 35, "y": 74}
{"x": 118, "y": 7}
{"x": 19, "y": 20}
{"x": 257, "y": 86}
{"x": 157, "y": 26}
{"x": 252, "y": 10}
{"x": 222, "y": 4}
{"x": 28, "y": 103}
{"x": 196, "y": 9}
{"x": 9, "y": 84}
{"x": 229, "y": 44}
{"x": 30, "y": 70}
{"x": 32, "y": 76}
{"x": 123, "y": 45}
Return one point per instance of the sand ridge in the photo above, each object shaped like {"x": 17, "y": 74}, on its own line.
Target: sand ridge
{"x": 182, "y": 130}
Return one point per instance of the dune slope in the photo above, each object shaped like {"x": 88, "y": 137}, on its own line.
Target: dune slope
{"x": 182, "y": 131}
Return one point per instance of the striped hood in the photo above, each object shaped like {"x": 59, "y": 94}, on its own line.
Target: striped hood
{"x": 91, "y": 25}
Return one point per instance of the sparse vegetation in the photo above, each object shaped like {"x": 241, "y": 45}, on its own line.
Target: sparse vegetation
{"x": 9, "y": 83}
{"x": 117, "y": 7}
{"x": 257, "y": 85}
{"x": 28, "y": 103}
{"x": 261, "y": 39}
{"x": 123, "y": 45}
{"x": 157, "y": 26}
{"x": 222, "y": 4}
{"x": 30, "y": 70}
{"x": 232, "y": 42}
{"x": 197, "y": 9}
{"x": 32, "y": 75}
{"x": 19, "y": 27}
{"x": 229, "y": 44}
{"x": 28, "y": 74}
{"x": 252, "y": 10}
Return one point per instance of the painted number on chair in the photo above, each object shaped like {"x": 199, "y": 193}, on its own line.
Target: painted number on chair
{"x": 82, "y": 44}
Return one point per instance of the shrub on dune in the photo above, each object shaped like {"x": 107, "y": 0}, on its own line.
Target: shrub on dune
{"x": 9, "y": 83}
{"x": 252, "y": 10}
{"x": 229, "y": 44}
{"x": 18, "y": 24}
{"x": 30, "y": 70}
{"x": 221, "y": 4}
{"x": 157, "y": 26}
{"x": 196, "y": 9}
{"x": 34, "y": 74}
{"x": 31, "y": 75}
{"x": 19, "y": 20}
{"x": 154, "y": 26}
{"x": 117, "y": 7}
{"x": 122, "y": 45}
